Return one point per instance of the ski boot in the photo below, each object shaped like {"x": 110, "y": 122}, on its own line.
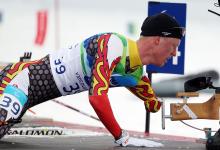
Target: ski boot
{"x": 5, "y": 126}
{"x": 213, "y": 142}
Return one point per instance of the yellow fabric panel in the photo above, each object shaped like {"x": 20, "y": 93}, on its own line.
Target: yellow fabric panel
{"x": 134, "y": 54}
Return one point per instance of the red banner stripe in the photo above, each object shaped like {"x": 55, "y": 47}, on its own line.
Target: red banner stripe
{"x": 42, "y": 17}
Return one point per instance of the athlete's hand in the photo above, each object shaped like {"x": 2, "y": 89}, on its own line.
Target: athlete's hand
{"x": 145, "y": 92}
{"x": 152, "y": 105}
{"x": 126, "y": 140}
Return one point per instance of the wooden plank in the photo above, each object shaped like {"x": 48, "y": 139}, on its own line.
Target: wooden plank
{"x": 206, "y": 110}
{"x": 2, "y": 67}
{"x": 187, "y": 94}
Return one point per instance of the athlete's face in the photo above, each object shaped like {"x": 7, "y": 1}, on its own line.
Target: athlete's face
{"x": 165, "y": 48}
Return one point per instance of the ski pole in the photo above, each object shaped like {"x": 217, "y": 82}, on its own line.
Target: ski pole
{"x": 77, "y": 110}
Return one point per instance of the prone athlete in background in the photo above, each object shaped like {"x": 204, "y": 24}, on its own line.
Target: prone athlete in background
{"x": 96, "y": 64}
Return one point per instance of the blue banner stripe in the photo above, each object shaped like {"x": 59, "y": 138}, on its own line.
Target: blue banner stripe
{"x": 178, "y": 10}
{"x": 19, "y": 94}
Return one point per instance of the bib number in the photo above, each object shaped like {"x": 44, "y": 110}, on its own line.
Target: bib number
{"x": 11, "y": 104}
{"x": 60, "y": 68}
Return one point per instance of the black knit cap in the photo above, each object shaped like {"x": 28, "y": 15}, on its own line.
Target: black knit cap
{"x": 162, "y": 25}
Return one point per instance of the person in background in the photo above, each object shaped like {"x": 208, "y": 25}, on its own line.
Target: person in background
{"x": 96, "y": 64}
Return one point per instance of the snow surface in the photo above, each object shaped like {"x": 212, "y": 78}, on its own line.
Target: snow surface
{"x": 128, "y": 110}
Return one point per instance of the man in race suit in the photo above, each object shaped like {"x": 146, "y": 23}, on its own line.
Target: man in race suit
{"x": 96, "y": 64}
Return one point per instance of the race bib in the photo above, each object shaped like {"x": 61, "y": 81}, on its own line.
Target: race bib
{"x": 13, "y": 101}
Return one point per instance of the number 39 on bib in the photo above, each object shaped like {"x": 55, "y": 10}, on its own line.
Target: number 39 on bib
{"x": 12, "y": 105}
{"x": 13, "y": 101}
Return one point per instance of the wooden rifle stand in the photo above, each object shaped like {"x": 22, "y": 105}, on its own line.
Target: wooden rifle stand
{"x": 188, "y": 111}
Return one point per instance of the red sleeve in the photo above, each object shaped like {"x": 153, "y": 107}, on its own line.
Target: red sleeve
{"x": 100, "y": 78}
{"x": 103, "y": 109}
